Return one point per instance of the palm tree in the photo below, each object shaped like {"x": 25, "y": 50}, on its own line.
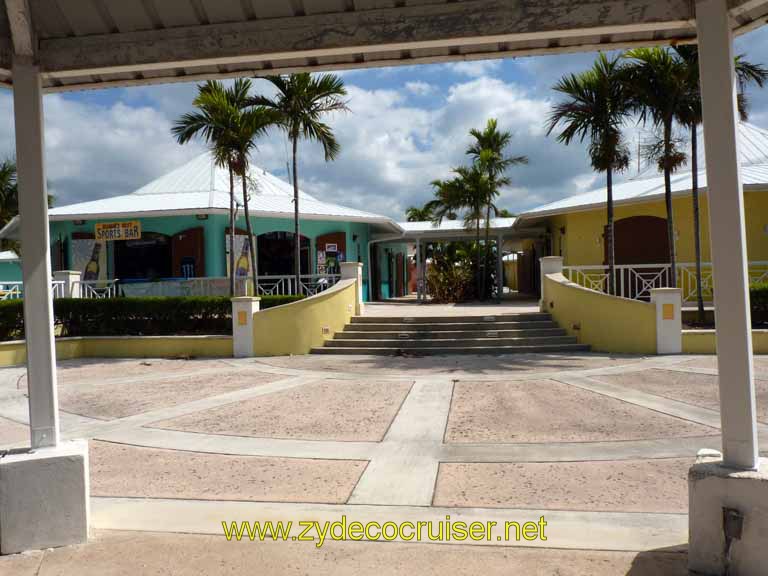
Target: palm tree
{"x": 416, "y": 214}
{"x": 691, "y": 117}
{"x": 487, "y": 151}
{"x": 9, "y": 195}
{"x": 658, "y": 84}
{"x": 214, "y": 122}
{"x": 301, "y": 102}
{"x": 595, "y": 108}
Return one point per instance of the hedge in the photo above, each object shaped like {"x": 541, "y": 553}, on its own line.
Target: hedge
{"x": 145, "y": 316}
{"x": 758, "y": 296}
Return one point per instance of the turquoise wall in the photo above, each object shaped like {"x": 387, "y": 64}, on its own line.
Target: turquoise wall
{"x": 357, "y": 234}
{"x": 10, "y": 272}
{"x": 387, "y": 252}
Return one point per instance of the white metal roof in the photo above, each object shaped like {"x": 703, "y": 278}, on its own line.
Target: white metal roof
{"x": 9, "y": 256}
{"x": 453, "y": 225}
{"x": 753, "y": 151}
{"x": 98, "y": 43}
{"x": 201, "y": 187}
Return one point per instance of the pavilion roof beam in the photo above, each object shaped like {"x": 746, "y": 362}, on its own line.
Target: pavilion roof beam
{"x": 468, "y": 23}
{"x": 22, "y": 32}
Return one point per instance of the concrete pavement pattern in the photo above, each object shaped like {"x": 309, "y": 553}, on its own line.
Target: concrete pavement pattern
{"x": 599, "y": 445}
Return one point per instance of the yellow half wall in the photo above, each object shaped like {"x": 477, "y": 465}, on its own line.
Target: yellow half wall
{"x": 607, "y": 323}
{"x": 15, "y": 353}
{"x": 298, "y": 327}
{"x": 704, "y": 342}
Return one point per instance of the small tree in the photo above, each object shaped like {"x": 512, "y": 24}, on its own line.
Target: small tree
{"x": 487, "y": 152}
{"x": 301, "y": 102}
{"x": 595, "y": 108}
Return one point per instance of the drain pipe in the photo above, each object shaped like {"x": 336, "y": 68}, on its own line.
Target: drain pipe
{"x": 370, "y": 260}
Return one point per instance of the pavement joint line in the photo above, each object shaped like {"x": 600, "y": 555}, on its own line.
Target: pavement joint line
{"x": 186, "y": 408}
{"x": 696, "y": 414}
{"x": 708, "y": 371}
{"x": 404, "y": 465}
{"x": 617, "y": 531}
{"x": 240, "y": 445}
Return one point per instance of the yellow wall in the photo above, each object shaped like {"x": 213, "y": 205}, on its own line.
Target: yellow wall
{"x": 15, "y": 353}
{"x": 583, "y": 241}
{"x": 607, "y": 323}
{"x": 297, "y": 327}
{"x": 703, "y": 341}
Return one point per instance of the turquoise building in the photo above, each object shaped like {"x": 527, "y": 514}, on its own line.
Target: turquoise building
{"x": 177, "y": 226}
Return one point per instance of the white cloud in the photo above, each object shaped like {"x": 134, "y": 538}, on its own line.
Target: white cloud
{"x": 474, "y": 68}
{"x": 419, "y": 88}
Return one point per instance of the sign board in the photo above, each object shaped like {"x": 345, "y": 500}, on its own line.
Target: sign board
{"x": 118, "y": 231}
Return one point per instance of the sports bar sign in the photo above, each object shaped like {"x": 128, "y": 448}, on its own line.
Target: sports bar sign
{"x": 118, "y": 231}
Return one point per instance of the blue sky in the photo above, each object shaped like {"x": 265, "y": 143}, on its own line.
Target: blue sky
{"x": 407, "y": 127}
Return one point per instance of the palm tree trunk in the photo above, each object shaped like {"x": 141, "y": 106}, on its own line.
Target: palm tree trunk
{"x": 231, "y": 233}
{"x": 696, "y": 221}
{"x": 609, "y": 237}
{"x": 296, "y": 237}
{"x": 486, "y": 273}
{"x": 668, "y": 202}
{"x": 478, "y": 267}
{"x": 250, "y": 236}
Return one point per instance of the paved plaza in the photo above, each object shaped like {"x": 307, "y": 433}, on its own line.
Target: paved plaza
{"x": 599, "y": 445}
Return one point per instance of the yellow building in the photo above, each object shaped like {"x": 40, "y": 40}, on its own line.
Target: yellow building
{"x": 576, "y": 225}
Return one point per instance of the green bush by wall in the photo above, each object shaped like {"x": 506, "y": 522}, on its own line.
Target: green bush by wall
{"x": 758, "y": 297}
{"x": 147, "y": 316}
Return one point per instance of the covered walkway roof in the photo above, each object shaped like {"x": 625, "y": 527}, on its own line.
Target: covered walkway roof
{"x": 123, "y": 42}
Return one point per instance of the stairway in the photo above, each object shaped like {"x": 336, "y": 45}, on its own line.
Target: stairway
{"x": 419, "y": 336}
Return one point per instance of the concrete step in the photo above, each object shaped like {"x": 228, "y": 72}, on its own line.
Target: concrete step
{"x": 540, "y": 348}
{"x": 451, "y": 327}
{"x": 522, "y": 317}
{"x": 351, "y": 333}
{"x": 452, "y": 342}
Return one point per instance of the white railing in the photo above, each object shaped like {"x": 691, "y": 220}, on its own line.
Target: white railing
{"x": 636, "y": 280}
{"x": 57, "y": 288}
{"x": 11, "y": 290}
{"x": 94, "y": 288}
{"x": 311, "y": 284}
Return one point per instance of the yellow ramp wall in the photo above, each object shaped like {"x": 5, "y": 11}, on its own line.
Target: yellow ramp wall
{"x": 15, "y": 353}
{"x": 704, "y": 342}
{"x": 607, "y": 323}
{"x": 297, "y": 327}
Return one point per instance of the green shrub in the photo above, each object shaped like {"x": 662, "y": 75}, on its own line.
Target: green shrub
{"x": 156, "y": 316}
{"x": 758, "y": 298}
{"x": 450, "y": 276}
{"x": 11, "y": 320}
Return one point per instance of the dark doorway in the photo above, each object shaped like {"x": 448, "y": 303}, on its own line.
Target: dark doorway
{"x": 276, "y": 254}
{"x": 640, "y": 240}
{"x": 146, "y": 258}
{"x": 188, "y": 253}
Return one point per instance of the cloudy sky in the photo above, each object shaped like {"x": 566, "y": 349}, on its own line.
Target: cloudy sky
{"x": 407, "y": 127}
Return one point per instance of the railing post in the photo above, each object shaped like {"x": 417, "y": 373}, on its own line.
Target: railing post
{"x": 354, "y": 271}
{"x": 71, "y": 279}
{"x": 669, "y": 326}
{"x": 549, "y": 265}
{"x": 243, "y": 309}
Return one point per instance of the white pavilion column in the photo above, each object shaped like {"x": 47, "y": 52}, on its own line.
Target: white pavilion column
{"x": 36, "y": 260}
{"x": 727, "y": 236}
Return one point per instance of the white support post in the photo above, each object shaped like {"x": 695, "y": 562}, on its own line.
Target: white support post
{"x": 243, "y": 309}
{"x": 669, "y": 325}
{"x": 727, "y": 236}
{"x": 549, "y": 265}
{"x": 418, "y": 269}
{"x": 354, "y": 271}
{"x": 36, "y": 263}
{"x": 499, "y": 267}
{"x": 71, "y": 279}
